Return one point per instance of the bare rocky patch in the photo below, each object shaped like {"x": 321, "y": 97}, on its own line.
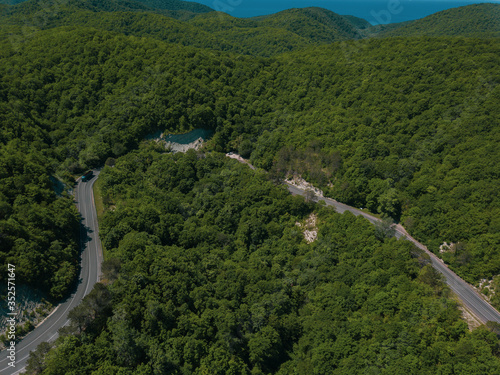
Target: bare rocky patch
{"x": 489, "y": 287}
{"x": 446, "y": 247}
{"x": 471, "y": 321}
{"x": 310, "y": 228}
{"x": 300, "y": 183}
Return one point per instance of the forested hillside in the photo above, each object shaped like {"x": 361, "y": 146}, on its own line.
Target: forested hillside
{"x": 43, "y": 14}
{"x": 286, "y": 31}
{"x": 11, "y": 2}
{"x": 478, "y": 20}
{"x": 405, "y": 127}
{"x": 320, "y": 25}
{"x": 190, "y": 6}
{"x": 208, "y": 273}
{"x": 33, "y": 7}
{"x": 71, "y": 99}
{"x": 187, "y": 23}
{"x": 206, "y": 266}
{"x": 171, "y": 5}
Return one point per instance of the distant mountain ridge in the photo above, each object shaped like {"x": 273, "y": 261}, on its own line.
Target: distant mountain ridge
{"x": 121, "y": 5}
{"x": 188, "y": 23}
{"x": 477, "y": 20}
{"x": 321, "y": 25}
{"x": 265, "y": 36}
{"x": 11, "y": 2}
{"x": 177, "y": 5}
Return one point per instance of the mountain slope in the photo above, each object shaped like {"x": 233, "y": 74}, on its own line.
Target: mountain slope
{"x": 384, "y": 125}
{"x": 171, "y": 8}
{"x": 360, "y": 23}
{"x": 318, "y": 24}
{"x": 262, "y": 41}
{"x": 407, "y": 127}
{"x": 31, "y": 7}
{"x": 263, "y": 36}
{"x": 11, "y": 2}
{"x": 176, "y": 5}
{"x": 479, "y": 20}
{"x": 288, "y": 30}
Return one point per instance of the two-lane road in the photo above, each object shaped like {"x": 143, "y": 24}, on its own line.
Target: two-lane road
{"x": 91, "y": 258}
{"x": 470, "y": 298}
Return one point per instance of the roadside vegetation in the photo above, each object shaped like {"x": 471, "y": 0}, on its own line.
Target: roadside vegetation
{"x": 406, "y": 127}
{"x": 208, "y": 272}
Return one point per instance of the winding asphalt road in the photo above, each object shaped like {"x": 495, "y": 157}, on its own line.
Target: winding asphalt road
{"x": 470, "y": 298}
{"x": 91, "y": 259}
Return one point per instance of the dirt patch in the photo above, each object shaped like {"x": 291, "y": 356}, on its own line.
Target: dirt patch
{"x": 310, "y": 228}
{"x": 472, "y": 322}
{"x": 178, "y": 147}
{"x": 446, "y": 247}
{"x": 232, "y": 155}
{"x": 488, "y": 287}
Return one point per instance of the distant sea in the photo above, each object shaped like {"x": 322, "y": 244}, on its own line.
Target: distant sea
{"x": 374, "y": 11}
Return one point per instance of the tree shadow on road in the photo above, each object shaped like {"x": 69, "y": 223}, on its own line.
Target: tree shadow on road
{"x": 84, "y": 238}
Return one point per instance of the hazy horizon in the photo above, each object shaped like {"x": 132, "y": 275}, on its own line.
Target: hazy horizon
{"x": 374, "y": 11}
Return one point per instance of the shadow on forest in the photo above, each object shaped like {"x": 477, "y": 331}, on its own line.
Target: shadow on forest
{"x": 83, "y": 240}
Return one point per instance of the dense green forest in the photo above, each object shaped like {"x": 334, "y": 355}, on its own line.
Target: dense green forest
{"x": 283, "y": 32}
{"x": 288, "y": 30}
{"x": 152, "y": 5}
{"x": 11, "y": 2}
{"x": 208, "y": 273}
{"x": 67, "y": 109}
{"x": 44, "y": 14}
{"x": 187, "y": 24}
{"x": 38, "y": 230}
{"x": 478, "y": 20}
{"x": 176, "y": 5}
{"x": 206, "y": 267}
{"x": 404, "y": 127}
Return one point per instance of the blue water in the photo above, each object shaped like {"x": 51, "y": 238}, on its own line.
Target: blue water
{"x": 187, "y": 138}
{"x": 375, "y": 11}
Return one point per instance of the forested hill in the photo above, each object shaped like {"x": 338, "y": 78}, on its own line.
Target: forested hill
{"x": 177, "y": 5}
{"x": 31, "y": 7}
{"x": 318, "y": 24}
{"x": 11, "y": 2}
{"x": 295, "y": 28}
{"x": 290, "y": 30}
{"x": 208, "y": 268}
{"x": 283, "y": 32}
{"x": 360, "y": 23}
{"x": 479, "y": 20}
{"x": 208, "y": 272}
{"x": 356, "y": 120}
{"x": 44, "y": 11}
{"x": 126, "y": 4}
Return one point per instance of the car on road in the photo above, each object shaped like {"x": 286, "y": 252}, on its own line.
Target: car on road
{"x": 87, "y": 176}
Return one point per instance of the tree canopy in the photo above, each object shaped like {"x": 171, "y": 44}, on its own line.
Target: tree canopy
{"x": 206, "y": 266}
{"x": 210, "y": 274}
{"x": 406, "y": 126}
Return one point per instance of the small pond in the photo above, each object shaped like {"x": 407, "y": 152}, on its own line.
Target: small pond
{"x": 190, "y": 137}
